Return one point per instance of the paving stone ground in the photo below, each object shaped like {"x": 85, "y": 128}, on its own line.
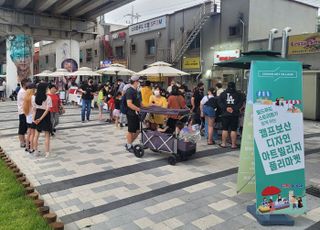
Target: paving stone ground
{"x": 93, "y": 183}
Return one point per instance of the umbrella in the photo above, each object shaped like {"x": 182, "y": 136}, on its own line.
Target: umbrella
{"x": 59, "y": 73}
{"x": 270, "y": 191}
{"x": 44, "y": 73}
{"x": 116, "y": 69}
{"x": 160, "y": 63}
{"x": 84, "y": 71}
{"x": 244, "y": 61}
{"x": 161, "y": 69}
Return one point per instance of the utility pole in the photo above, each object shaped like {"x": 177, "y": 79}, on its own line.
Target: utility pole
{"x": 133, "y": 16}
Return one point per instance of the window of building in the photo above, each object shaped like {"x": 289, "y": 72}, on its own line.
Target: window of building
{"x": 151, "y": 47}
{"x": 234, "y": 30}
{"x": 47, "y": 59}
{"x": 119, "y": 52}
{"x": 133, "y": 48}
{"x": 96, "y": 53}
{"x": 81, "y": 56}
{"x": 195, "y": 44}
{"x": 88, "y": 55}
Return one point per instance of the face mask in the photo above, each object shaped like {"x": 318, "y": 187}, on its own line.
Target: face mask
{"x": 157, "y": 93}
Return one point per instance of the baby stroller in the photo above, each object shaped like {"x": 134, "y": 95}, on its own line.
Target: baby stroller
{"x": 164, "y": 142}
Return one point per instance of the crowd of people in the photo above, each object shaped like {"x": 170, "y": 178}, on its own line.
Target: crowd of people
{"x": 217, "y": 109}
{"x": 39, "y": 108}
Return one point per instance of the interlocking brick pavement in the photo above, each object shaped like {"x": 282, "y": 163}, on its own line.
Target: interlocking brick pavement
{"x": 93, "y": 183}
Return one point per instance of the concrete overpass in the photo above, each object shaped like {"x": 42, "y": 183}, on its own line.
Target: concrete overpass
{"x": 54, "y": 19}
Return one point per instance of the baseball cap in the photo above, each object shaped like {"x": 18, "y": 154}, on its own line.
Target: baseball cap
{"x": 231, "y": 85}
{"x": 135, "y": 78}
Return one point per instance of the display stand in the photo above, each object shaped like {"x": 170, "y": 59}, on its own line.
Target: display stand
{"x": 269, "y": 220}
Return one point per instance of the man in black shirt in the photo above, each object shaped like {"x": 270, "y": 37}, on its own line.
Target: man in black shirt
{"x": 133, "y": 107}
{"x": 87, "y": 91}
{"x": 230, "y": 102}
{"x": 195, "y": 102}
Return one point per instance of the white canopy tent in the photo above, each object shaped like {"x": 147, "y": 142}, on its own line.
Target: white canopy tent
{"x": 44, "y": 73}
{"x": 116, "y": 69}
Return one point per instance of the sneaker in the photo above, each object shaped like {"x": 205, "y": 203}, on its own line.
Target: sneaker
{"x": 31, "y": 151}
{"x": 26, "y": 149}
{"x": 23, "y": 145}
{"x": 129, "y": 148}
{"x": 47, "y": 154}
{"x": 121, "y": 125}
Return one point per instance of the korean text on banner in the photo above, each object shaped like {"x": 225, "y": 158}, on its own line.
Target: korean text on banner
{"x": 278, "y": 137}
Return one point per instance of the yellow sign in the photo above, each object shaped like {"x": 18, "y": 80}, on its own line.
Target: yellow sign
{"x": 191, "y": 63}
{"x": 304, "y": 44}
{"x": 155, "y": 78}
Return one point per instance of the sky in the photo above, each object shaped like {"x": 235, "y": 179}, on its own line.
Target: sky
{"x": 147, "y": 9}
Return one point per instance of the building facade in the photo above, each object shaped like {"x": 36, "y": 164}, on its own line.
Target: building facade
{"x": 196, "y": 38}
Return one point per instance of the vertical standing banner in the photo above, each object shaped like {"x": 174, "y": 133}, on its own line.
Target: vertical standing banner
{"x": 278, "y": 137}
{"x": 246, "y": 182}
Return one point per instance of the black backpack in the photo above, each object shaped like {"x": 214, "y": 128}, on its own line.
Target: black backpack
{"x": 123, "y": 105}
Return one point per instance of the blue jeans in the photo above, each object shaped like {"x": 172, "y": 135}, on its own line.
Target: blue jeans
{"x": 86, "y": 106}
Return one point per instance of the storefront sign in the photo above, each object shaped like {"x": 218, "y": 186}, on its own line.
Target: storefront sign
{"x": 120, "y": 61}
{"x": 226, "y": 55}
{"x": 191, "y": 63}
{"x": 278, "y": 137}
{"x": 150, "y": 25}
{"x": 303, "y": 44}
{"x": 105, "y": 63}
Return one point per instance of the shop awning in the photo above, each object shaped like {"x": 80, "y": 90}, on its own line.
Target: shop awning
{"x": 244, "y": 61}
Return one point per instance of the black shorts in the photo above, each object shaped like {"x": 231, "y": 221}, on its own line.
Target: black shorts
{"x": 133, "y": 123}
{"x": 230, "y": 123}
{"x": 23, "y": 127}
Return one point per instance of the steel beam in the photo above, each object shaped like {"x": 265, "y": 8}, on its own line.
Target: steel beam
{"x": 20, "y": 4}
{"x": 42, "y": 5}
{"x": 65, "y": 6}
{"x": 93, "y": 14}
{"x": 90, "y": 5}
{"x": 14, "y": 22}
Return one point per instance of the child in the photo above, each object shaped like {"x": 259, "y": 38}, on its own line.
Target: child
{"x": 27, "y": 110}
{"x": 116, "y": 111}
{"x": 111, "y": 105}
{"x": 100, "y": 101}
{"x": 54, "y": 110}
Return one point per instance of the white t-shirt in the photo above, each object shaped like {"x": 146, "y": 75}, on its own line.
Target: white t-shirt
{"x": 29, "y": 116}
{"x": 46, "y": 105}
{"x": 20, "y": 100}
{"x": 205, "y": 99}
{"x": 219, "y": 91}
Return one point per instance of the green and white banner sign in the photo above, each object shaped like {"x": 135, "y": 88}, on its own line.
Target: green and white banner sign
{"x": 278, "y": 137}
{"x": 246, "y": 182}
